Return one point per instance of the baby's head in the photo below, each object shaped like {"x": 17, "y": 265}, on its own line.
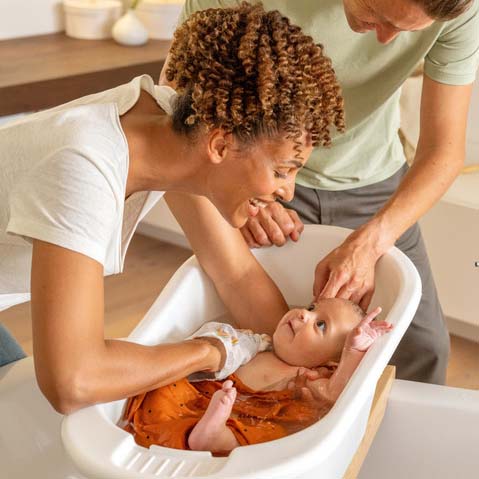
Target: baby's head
{"x": 315, "y": 335}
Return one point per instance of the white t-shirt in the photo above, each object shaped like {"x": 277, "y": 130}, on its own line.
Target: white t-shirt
{"x": 63, "y": 176}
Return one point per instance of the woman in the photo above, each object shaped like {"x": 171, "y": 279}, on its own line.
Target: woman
{"x": 253, "y": 96}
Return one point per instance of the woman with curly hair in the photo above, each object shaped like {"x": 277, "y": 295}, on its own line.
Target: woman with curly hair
{"x": 253, "y": 96}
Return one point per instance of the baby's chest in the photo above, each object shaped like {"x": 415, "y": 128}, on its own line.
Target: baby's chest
{"x": 263, "y": 374}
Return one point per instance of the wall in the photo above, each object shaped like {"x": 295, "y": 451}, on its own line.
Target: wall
{"x": 23, "y": 18}
{"x": 20, "y": 18}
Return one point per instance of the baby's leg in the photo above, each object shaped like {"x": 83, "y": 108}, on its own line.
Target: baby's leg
{"x": 211, "y": 433}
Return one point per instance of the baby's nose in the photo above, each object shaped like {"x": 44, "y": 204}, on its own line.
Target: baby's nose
{"x": 303, "y": 315}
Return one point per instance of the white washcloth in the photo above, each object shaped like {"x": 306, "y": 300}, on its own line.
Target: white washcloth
{"x": 241, "y": 346}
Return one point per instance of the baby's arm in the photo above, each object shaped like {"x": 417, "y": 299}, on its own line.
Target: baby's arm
{"x": 358, "y": 341}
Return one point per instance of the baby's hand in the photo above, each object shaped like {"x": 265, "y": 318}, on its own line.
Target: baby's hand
{"x": 366, "y": 332}
{"x": 308, "y": 383}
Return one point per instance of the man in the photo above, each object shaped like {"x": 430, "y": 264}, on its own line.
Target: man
{"x": 363, "y": 182}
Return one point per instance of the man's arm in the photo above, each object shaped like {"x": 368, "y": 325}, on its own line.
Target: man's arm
{"x": 348, "y": 272}
{"x": 439, "y": 158}
{"x": 75, "y": 366}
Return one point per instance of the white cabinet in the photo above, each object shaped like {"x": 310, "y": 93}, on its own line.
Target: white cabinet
{"x": 451, "y": 234}
{"x": 472, "y": 151}
{"x": 451, "y": 227}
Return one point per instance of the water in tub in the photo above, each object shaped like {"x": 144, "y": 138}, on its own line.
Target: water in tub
{"x": 255, "y": 404}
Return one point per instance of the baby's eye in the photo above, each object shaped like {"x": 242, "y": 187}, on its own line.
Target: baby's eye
{"x": 311, "y": 307}
{"x": 321, "y": 325}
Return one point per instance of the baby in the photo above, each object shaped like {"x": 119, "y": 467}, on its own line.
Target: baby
{"x": 260, "y": 402}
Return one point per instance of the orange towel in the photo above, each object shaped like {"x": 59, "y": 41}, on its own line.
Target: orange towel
{"x": 167, "y": 415}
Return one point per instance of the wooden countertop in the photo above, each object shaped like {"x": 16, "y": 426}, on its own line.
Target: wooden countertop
{"x": 47, "y": 70}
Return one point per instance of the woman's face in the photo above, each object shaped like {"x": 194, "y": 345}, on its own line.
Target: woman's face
{"x": 250, "y": 176}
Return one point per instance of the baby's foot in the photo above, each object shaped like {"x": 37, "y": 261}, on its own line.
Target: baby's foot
{"x": 211, "y": 433}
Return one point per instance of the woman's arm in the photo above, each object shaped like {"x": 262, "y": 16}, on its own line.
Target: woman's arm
{"x": 248, "y": 292}
{"x": 75, "y": 366}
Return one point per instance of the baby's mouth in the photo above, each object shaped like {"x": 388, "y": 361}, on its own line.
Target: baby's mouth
{"x": 291, "y": 327}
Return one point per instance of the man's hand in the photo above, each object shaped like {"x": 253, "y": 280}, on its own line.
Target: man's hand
{"x": 366, "y": 332}
{"x": 348, "y": 271}
{"x": 273, "y": 225}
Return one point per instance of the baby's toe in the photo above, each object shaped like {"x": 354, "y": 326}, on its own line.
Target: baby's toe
{"x": 227, "y": 385}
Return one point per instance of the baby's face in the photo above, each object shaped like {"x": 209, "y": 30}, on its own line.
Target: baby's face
{"x": 312, "y": 336}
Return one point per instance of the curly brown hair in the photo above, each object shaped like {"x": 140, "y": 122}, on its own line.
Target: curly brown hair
{"x": 252, "y": 73}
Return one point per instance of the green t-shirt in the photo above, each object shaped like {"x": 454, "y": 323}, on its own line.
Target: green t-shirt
{"x": 371, "y": 75}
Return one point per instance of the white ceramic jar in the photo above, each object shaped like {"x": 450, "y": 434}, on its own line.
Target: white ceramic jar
{"x": 160, "y": 17}
{"x": 129, "y": 30}
{"x": 91, "y": 19}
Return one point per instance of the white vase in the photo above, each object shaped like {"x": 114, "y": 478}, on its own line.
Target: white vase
{"x": 91, "y": 20}
{"x": 129, "y": 30}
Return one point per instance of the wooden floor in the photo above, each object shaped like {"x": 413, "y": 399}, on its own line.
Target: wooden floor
{"x": 149, "y": 265}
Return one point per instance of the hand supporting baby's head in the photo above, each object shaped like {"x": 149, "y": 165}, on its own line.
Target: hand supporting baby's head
{"x": 312, "y": 336}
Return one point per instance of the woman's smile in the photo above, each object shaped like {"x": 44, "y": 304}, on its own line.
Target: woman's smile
{"x": 254, "y": 205}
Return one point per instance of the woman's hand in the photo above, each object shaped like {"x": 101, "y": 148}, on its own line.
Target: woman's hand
{"x": 273, "y": 225}
{"x": 348, "y": 271}
{"x": 238, "y": 346}
{"x": 217, "y": 352}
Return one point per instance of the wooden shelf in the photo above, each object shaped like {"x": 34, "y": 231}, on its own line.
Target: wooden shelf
{"x": 48, "y": 70}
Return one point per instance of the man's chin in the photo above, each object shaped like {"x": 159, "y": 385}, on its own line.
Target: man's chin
{"x": 353, "y": 25}
{"x": 358, "y": 29}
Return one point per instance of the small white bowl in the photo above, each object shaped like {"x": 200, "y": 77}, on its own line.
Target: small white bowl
{"x": 91, "y": 19}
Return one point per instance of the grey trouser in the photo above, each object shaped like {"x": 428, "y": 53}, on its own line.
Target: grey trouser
{"x": 10, "y": 350}
{"x": 422, "y": 354}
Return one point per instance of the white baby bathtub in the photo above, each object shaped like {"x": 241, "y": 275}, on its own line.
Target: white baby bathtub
{"x": 102, "y": 450}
